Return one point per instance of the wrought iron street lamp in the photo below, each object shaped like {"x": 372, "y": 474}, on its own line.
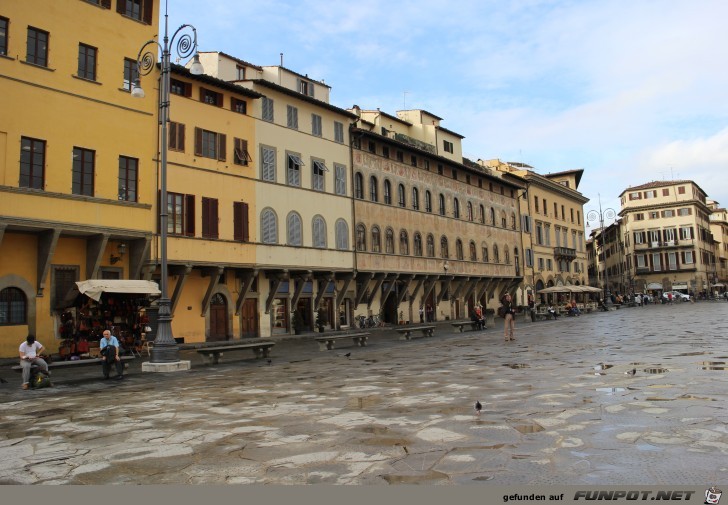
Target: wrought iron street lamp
{"x": 593, "y": 215}
{"x": 165, "y": 349}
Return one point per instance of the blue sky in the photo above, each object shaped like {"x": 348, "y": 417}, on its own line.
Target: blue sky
{"x": 630, "y": 91}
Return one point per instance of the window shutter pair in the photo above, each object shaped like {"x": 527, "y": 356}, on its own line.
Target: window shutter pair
{"x": 295, "y": 236}
{"x": 241, "y": 229}
{"x": 269, "y": 164}
{"x": 209, "y": 217}
{"x": 269, "y": 230}
{"x": 241, "y": 157}
{"x": 177, "y": 136}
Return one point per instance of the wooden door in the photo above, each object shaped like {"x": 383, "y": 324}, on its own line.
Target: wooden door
{"x": 249, "y": 319}
{"x": 218, "y": 319}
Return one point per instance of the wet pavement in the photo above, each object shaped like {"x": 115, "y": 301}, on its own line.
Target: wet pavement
{"x": 559, "y": 408}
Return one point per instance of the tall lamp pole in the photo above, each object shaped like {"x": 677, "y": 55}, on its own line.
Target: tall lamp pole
{"x": 165, "y": 348}
{"x": 593, "y": 215}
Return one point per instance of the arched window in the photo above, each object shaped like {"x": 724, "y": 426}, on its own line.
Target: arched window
{"x": 442, "y": 204}
{"x": 389, "y": 241}
{"x": 473, "y": 252}
{"x": 373, "y": 189}
{"x": 496, "y": 259}
{"x": 504, "y": 222}
{"x": 428, "y": 201}
{"x": 444, "y": 252}
{"x": 13, "y": 307}
{"x": 418, "y": 244}
{"x": 507, "y": 255}
{"x": 359, "y": 186}
{"x": 268, "y": 227}
{"x": 376, "y": 239}
{"x": 470, "y": 211}
{"x": 403, "y": 243}
{"x": 456, "y": 208}
{"x": 459, "y": 249}
{"x": 513, "y": 220}
{"x": 294, "y": 229}
{"x": 415, "y": 199}
{"x": 319, "y": 232}
{"x": 492, "y": 216}
{"x": 401, "y": 196}
{"x": 361, "y": 237}
{"x": 516, "y": 261}
{"x": 342, "y": 235}
{"x": 387, "y": 192}
{"x": 430, "y": 246}
{"x": 484, "y": 253}
{"x": 482, "y": 214}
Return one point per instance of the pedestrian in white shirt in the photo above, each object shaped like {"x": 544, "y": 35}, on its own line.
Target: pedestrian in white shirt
{"x": 30, "y": 352}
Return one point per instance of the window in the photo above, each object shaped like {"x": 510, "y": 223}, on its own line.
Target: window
{"x": 681, "y": 190}
{"x": 128, "y": 178}
{"x": 684, "y": 211}
{"x": 428, "y": 201}
{"x": 563, "y": 214}
{"x": 448, "y": 146}
{"x": 578, "y": 217}
{"x": 292, "y": 117}
{"x": 342, "y": 235}
{"x": 131, "y": 73}
{"x": 459, "y": 249}
{"x": 672, "y": 261}
{"x": 181, "y": 88}
{"x": 83, "y": 171}
{"x": 267, "y": 114}
{"x": 358, "y": 186}
{"x": 456, "y": 208}
{"x": 268, "y": 227}
{"x": 688, "y": 258}
{"x": 492, "y": 216}
{"x": 526, "y": 224}
{"x": 210, "y": 144}
{"x": 571, "y": 214}
{"x": 319, "y": 232}
{"x": 141, "y": 10}
{"x": 430, "y": 246}
{"x": 513, "y": 220}
{"x": 241, "y": 155}
{"x": 539, "y": 234}
{"x": 654, "y": 215}
{"x": 454, "y": 173}
{"x": 338, "y": 132}
{"x": 294, "y": 169}
{"x": 13, "y": 307}
{"x": 268, "y": 163}
{"x": 316, "y": 125}
{"x": 403, "y": 243}
{"x": 473, "y": 252}
{"x": 180, "y": 214}
{"x": 545, "y": 212}
{"x": 176, "y": 136}
{"x": 651, "y": 194}
{"x": 415, "y": 199}
{"x": 37, "y": 47}
{"x": 401, "y": 196}
{"x": 4, "y": 36}
{"x": 389, "y": 241}
{"x": 535, "y": 201}
{"x": 239, "y": 73}
{"x": 400, "y": 156}
{"x": 504, "y": 222}
{"x": 238, "y": 105}
{"x": 444, "y": 252}
{"x": 372, "y": 147}
{"x": 496, "y": 257}
{"x": 668, "y": 213}
{"x": 376, "y": 239}
{"x": 241, "y": 224}
{"x": 340, "y": 179}
{"x": 387, "y": 192}
{"x": 413, "y": 160}
{"x": 442, "y": 204}
{"x": 87, "y": 62}
{"x": 656, "y": 264}
{"x": 549, "y": 265}
{"x": 470, "y": 211}
{"x": 417, "y": 244}
{"x": 507, "y": 255}
{"x": 209, "y": 217}
{"x": 529, "y": 258}
{"x": 319, "y": 175}
{"x": 32, "y": 163}
{"x": 440, "y": 169}
{"x": 211, "y": 97}
{"x": 385, "y": 151}
{"x": 686, "y": 233}
{"x": 484, "y": 252}
{"x": 556, "y": 210}
{"x": 361, "y": 238}
{"x": 305, "y": 87}
{"x": 373, "y": 189}
{"x": 294, "y": 229}
{"x": 540, "y": 264}
{"x": 547, "y": 234}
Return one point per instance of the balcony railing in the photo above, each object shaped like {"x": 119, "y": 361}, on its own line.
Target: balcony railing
{"x": 661, "y": 244}
{"x": 565, "y": 253}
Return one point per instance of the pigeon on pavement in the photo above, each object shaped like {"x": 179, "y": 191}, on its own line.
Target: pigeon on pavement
{"x": 478, "y": 407}
{"x": 631, "y": 372}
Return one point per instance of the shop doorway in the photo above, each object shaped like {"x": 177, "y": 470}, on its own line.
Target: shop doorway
{"x": 389, "y": 307}
{"x": 304, "y": 306}
{"x": 218, "y": 319}
{"x": 249, "y": 319}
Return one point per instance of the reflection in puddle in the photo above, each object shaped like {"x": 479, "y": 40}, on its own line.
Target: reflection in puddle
{"x": 655, "y": 370}
{"x": 611, "y": 391}
{"x": 516, "y": 365}
{"x": 528, "y": 428}
{"x": 713, "y": 365}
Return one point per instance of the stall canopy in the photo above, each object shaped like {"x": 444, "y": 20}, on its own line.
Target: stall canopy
{"x": 654, "y": 285}
{"x": 570, "y": 289}
{"x": 95, "y": 287}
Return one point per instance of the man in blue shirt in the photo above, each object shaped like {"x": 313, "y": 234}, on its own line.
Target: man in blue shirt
{"x": 110, "y": 352}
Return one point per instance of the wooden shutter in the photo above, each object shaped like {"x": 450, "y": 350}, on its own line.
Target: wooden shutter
{"x": 180, "y": 136}
{"x": 198, "y": 141}
{"x": 219, "y": 99}
{"x": 121, "y": 6}
{"x": 214, "y": 231}
{"x": 106, "y": 4}
{"x": 148, "y": 11}
{"x": 202, "y": 94}
{"x": 221, "y": 143}
{"x": 209, "y": 218}
{"x": 269, "y": 168}
{"x": 189, "y": 215}
{"x": 240, "y": 224}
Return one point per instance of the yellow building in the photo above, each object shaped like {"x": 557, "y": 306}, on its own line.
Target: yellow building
{"x": 77, "y": 155}
{"x": 432, "y": 230}
{"x": 553, "y": 228}
{"x": 719, "y": 229}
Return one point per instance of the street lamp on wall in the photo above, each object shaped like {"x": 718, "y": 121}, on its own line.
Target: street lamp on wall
{"x": 593, "y": 215}
{"x": 165, "y": 349}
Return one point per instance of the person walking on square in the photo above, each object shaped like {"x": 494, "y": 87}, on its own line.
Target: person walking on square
{"x": 30, "y": 352}
{"x": 509, "y": 316}
{"x": 109, "y": 347}
{"x": 422, "y": 314}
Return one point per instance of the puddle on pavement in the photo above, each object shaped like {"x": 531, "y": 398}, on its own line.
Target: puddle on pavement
{"x": 484, "y": 477}
{"x": 691, "y": 353}
{"x": 375, "y": 430}
{"x": 655, "y": 370}
{"x": 423, "y": 478}
{"x": 363, "y": 402}
{"x": 611, "y": 391}
{"x": 713, "y": 365}
{"x": 516, "y": 365}
{"x": 385, "y": 442}
{"x": 527, "y": 427}
{"x": 47, "y": 413}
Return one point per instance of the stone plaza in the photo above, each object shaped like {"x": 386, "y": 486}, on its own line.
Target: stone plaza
{"x": 558, "y": 408}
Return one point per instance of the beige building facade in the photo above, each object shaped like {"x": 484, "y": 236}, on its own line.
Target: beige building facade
{"x": 719, "y": 229}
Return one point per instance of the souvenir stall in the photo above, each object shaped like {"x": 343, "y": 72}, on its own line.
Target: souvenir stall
{"x": 93, "y": 306}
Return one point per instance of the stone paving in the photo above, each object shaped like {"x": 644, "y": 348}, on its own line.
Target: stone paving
{"x": 558, "y": 409}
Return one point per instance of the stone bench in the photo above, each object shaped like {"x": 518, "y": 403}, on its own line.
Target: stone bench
{"x": 326, "y": 342}
{"x": 261, "y": 350}
{"x": 473, "y": 325}
{"x": 60, "y": 365}
{"x": 406, "y": 333}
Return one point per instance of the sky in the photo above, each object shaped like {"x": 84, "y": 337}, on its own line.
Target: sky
{"x": 630, "y": 91}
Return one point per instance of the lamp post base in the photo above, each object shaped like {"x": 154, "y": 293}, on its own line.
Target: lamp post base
{"x": 178, "y": 366}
